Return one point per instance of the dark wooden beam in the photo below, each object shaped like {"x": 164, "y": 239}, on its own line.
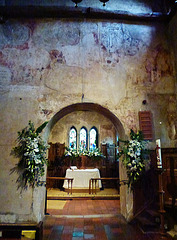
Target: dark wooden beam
{"x": 7, "y": 12}
{"x": 173, "y": 11}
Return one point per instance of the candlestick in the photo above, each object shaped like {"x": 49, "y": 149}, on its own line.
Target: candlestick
{"x": 158, "y": 152}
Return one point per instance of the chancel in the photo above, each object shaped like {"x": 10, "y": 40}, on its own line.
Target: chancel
{"x": 88, "y": 114}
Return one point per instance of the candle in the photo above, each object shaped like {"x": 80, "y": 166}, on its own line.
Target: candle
{"x": 158, "y": 152}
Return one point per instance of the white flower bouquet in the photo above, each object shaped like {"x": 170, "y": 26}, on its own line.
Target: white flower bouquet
{"x": 31, "y": 151}
{"x": 134, "y": 159}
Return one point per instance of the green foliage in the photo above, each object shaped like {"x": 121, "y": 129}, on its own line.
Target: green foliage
{"x": 133, "y": 152}
{"x": 95, "y": 154}
{"x": 31, "y": 151}
{"x": 40, "y": 128}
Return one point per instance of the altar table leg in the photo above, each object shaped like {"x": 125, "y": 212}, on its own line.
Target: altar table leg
{"x": 90, "y": 186}
{"x": 70, "y": 183}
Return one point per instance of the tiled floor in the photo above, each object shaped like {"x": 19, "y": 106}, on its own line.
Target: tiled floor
{"x": 89, "y": 219}
{"x": 83, "y": 207}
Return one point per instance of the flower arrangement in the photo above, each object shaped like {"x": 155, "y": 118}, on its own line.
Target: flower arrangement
{"x": 70, "y": 152}
{"x": 31, "y": 151}
{"x": 95, "y": 154}
{"x": 73, "y": 153}
{"x": 78, "y": 157}
{"x": 134, "y": 160}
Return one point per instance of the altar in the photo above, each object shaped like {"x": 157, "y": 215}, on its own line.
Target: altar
{"x": 81, "y": 177}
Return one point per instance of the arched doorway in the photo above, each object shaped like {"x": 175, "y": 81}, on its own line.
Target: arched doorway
{"x": 88, "y": 107}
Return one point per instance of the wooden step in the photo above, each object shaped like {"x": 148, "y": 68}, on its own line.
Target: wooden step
{"x": 145, "y": 221}
{"x": 153, "y": 213}
{"x": 147, "y": 225}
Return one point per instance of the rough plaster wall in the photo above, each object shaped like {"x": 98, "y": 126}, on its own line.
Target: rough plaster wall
{"x": 85, "y": 60}
{"x": 170, "y": 100}
{"x": 78, "y": 119}
{"x": 46, "y": 65}
{"x": 172, "y": 35}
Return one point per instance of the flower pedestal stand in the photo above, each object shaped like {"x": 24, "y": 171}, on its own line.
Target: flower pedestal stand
{"x": 161, "y": 202}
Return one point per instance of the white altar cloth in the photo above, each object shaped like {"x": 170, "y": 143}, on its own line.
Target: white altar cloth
{"x": 82, "y": 177}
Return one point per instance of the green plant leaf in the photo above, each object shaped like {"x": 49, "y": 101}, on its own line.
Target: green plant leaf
{"x": 40, "y": 128}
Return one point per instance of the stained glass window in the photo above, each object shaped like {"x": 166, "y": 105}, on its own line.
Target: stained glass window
{"x": 93, "y": 139}
{"x": 83, "y": 138}
{"x": 73, "y": 138}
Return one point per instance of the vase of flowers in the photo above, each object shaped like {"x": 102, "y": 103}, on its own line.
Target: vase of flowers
{"x": 134, "y": 157}
{"x": 31, "y": 151}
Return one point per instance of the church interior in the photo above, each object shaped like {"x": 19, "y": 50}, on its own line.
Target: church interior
{"x": 88, "y": 93}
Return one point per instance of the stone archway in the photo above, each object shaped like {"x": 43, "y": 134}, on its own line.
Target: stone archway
{"x": 88, "y": 107}
{"x": 126, "y": 198}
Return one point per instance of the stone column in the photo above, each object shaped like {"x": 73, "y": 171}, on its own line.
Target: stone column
{"x": 126, "y": 195}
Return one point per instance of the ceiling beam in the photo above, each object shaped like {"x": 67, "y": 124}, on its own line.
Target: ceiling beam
{"x": 7, "y": 12}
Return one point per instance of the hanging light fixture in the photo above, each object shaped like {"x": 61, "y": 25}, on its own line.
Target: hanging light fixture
{"x": 76, "y": 2}
{"x": 104, "y": 2}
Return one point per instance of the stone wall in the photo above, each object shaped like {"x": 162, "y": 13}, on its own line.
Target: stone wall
{"x": 46, "y": 65}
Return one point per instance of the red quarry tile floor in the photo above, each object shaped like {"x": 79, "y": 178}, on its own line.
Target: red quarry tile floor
{"x": 90, "y": 219}
{"x": 83, "y": 207}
